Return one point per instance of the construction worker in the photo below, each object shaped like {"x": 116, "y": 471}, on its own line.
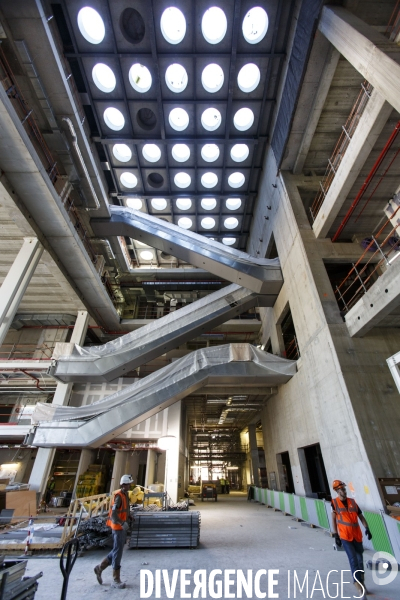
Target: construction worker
{"x": 222, "y": 482}
{"x": 118, "y": 520}
{"x": 347, "y": 532}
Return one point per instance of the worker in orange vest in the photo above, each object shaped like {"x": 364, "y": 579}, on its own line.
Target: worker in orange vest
{"x": 118, "y": 520}
{"x": 347, "y": 532}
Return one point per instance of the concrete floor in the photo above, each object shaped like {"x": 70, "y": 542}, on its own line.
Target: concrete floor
{"x": 235, "y": 534}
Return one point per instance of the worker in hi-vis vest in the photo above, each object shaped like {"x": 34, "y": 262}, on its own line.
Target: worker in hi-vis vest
{"x": 347, "y": 532}
{"x": 222, "y": 482}
{"x": 118, "y": 520}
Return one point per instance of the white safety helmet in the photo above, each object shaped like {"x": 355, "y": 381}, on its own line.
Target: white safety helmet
{"x": 126, "y": 479}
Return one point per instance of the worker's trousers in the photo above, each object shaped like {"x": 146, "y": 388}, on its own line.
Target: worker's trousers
{"x": 354, "y": 551}
{"x": 114, "y": 557}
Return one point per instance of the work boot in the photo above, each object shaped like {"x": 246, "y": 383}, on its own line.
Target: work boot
{"x": 117, "y": 583}
{"x": 100, "y": 568}
{"x": 360, "y": 590}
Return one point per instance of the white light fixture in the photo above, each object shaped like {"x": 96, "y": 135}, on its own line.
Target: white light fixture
{"x": 233, "y": 203}
{"x": 184, "y": 203}
{"x": 212, "y": 78}
{"x": 146, "y": 255}
{"x": 255, "y": 25}
{"x": 239, "y": 152}
{"x": 182, "y": 180}
{"x": 208, "y": 203}
{"x": 178, "y": 119}
{"x": 210, "y": 152}
{"x": 243, "y": 119}
{"x": 228, "y": 241}
{"x": 128, "y": 180}
{"x": 208, "y": 223}
{"x": 231, "y": 222}
{"x": 209, "y": 180}
{"x": 91, "y": 25}
{"x": 151, "y": 152}
{"x": 180, "y": 152}
{"x": 173, "y": 25}
{"x": 104, "y": 78}
{"x": 140, "y": 78}
{"x": 185, "y": 222}
{"x": 114, "y": 119}
{"x": 214, "y": 25}
{"x": 249, "y": 77}
{"x": 232, "y": 468}
{"x": 159, "y": 203}
{"x": 236, "y": 180}
{"x": 211, "y": 119}
{"x": 122, "y": 152}
{"x": 134, "y": 203}
{"x": 176, "y": 78}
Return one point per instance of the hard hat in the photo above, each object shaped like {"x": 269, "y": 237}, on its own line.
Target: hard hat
{"x": 337, "y": 484}
{"x": 126, "y": 479}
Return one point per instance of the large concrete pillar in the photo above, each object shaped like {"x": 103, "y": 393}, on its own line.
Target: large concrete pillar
{"x": 172, "y": 456}
{"x": 254, "y": 455}
{"x": 87, "y": 457}
{"x": 118, "y": 469}
{"x": 150, "y": 468}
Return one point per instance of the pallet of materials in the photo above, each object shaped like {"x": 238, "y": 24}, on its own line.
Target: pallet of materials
{"x": 166, "y": 530}
{"x": 13, "y": 584}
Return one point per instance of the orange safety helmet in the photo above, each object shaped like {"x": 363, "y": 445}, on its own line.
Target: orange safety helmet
{"x": 337, "y": 484}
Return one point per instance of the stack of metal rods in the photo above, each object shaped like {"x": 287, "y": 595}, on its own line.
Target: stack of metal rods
{"x": 166, "y": 530}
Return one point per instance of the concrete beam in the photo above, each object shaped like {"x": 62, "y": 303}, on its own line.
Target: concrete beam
{"x": 379, "y": 301}
{"x": 373, "y": 120}
{"x": 370, "y": 52}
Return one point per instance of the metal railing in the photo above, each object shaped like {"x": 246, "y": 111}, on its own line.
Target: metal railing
{"x": 292, "y": 351}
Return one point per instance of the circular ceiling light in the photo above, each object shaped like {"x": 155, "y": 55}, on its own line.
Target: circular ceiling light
{"x": 228, "y": 241}
{"x": 134, "y": 203}
{"x": 239, "y": 152}
{"x": 178, "y": 119}
{"x": 128, "y": 180}
{"x": 91, "y": 25}
{"x": 151, "y": 152}
{"x": 114, "y": 119}
{"x": 122, "y": 152}
{"x": 208, "y": 223}
{"x": 211, "y": 119}
{"x": 173, "y": 25}
{"x": 140, "y": 78}
{"x": 212, "y": 78}
{"x": 104, "y": 78}
{"x": 255, "y": 25}
{"x": 184, "y": 203}
{"x": 210, "y": 152}
{"x": 146, "y": 255}
{"x": 214, "y": 25}
{"x": 231, "y": 222}
{"x": 243, "y": 119}
{"x": 182, "y": 180}
{"x": 233, "y": 203}
{"x": 236, "y": 180}
{"x": 209, "y": 180}
{"x": 176, "y": 78}
{"x": 208, "y": 203}
{"x": 159, "y": 203}
{"x": 249, "y": 77}
{"x": 185, "y": 222}
{"x": 180, "y": 152}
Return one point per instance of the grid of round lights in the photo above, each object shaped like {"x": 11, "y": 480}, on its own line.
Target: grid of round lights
{"x": 208, "y": 223}
{"x": 249, "y": 77}
{"x": 104, "y": 78}
{"x": 178, "y": 119}
{"x": 211, "y": 119}
{"x": 255, "y": 25}
{"x": 231, "y": 222}
{"x": 176, "y": 78}
{"x": 159, "y": 203}
{"x": 212, "y": 78}
{"x": 146, "y": 255}
{"x": 122, "y": 152}
{"x": 182, "y": 180}
{"x": 185, "y": 222}
{"x": 209, "y": 180}
{"x": 180, "y": 152}
{"x": 210, "y": 152}
{"x": 151, "y": 152}
{"x": 214, "y": 25}
{"x": 208, "y": 203}
{"x": 140, "y": 78}
{"x": 128, "y": 180}
{"x": 134, "y": 203}
{"x": 233, "y": 203}
{"x": 243, "y": 119}
{"x": 239, "y": 152}
{"x": 228, "y": 241}
{"x": 173, "y": 25}
{"x": 236, "y": 180}
{"x": 114, "y": 119}
{"x": 184, "y": 203}
{"x": 91, "y": 25}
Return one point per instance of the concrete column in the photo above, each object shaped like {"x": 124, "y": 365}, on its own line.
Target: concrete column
{"x": 16, "y": 282}
{"x": 172, "y": 455}
{"x": 118, "y": 470}
{"x": 254, "y": 454}
{"x": 86, "y": 459}
{"x": 150, "y": 468}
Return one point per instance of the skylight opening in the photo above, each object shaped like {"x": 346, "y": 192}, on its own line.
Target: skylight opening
{"x": 239, "y": 152}
{"x": 210, "y": 152}
{"x": 146, "y": 255}
{"x": 208, "y": 203}
{"x": 233, "y": 203}
{"x": 151, "y": 152}
{"x": 249, "y": 77}
{"x": 173, "y": 25}
{"x": 122, "y": 152}
{"x": 214, "y": 25}
{"x": 159, "y": 203}
{"x": 231, "y": 222}
{"x": 176, "y": 78}
{"x": 114, "y": 119}
{"x": 180, "y": 152}
{"x": 236, "y": 180}
{"x": 135, "y": 203}
{"x": 211, "y": 119}
{"x": 178, "y": 119}
{"x": 184, "y": 203}
{"x": 243, "y": 119}
{"x": 228, "y": 241}
{"x": 182, "y": 180}
{"x": 185, "y": 222}
{"x": 212, "y": 78}
{"x": 209, "y": 180}
{"x": 128, "y": 180}
{"x": 208, "y": 223}
{"x": 255, "y": 25}
{"x": 140, "y": 78}
{"x": 91, "y": 25}
{"x": 104, "y": 78}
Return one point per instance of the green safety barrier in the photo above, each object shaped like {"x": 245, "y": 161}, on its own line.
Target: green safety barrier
{"x": 321, "y": 513}
{"x": 291, "y": 504}
{"x": 304, "y": 511}
{"x": 380, "y": 538}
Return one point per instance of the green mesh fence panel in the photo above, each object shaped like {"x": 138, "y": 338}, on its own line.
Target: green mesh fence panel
{"x": 265, "y": 496}
{"x": 321, "y": 514}
{"x": 272, "y": 498}
{"x": 291, "y": 504}
{"x": 304, "y": 511}
{"x": 281, "y": 502}
{"x": 380, "y": 539}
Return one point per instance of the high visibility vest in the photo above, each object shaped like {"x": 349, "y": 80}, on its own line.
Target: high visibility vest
{"x": 222, "y": 481}
{"x": 347, "y": 520}
{"x": 122, "y": 511}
